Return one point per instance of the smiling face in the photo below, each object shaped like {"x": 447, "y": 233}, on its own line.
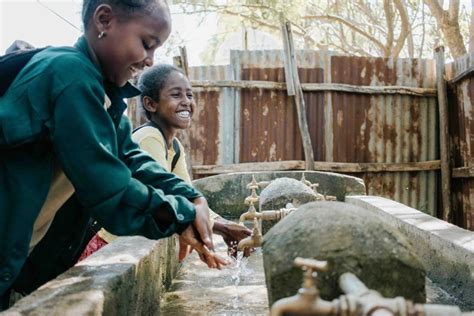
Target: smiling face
{"x": 129, "y": 43}
{"x": 176, "y": 104}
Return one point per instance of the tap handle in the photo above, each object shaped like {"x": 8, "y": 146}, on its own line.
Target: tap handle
{"x": 253, "y": 184}
{"x": 312, "y": 264}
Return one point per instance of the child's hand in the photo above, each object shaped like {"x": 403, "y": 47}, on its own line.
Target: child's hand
{"x": 202, "y": 223}
{"x": 188, "y": 240}
{"x": 232, "y": 233}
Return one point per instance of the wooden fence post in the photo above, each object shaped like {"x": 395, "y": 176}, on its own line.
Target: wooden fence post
{"x": 294, "y": 88}
{"x": 444, "y": 143}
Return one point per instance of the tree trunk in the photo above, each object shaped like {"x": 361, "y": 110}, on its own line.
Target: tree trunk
{"x": 448, "y": 22}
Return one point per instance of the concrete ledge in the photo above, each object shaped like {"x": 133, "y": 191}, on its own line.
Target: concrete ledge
{"x": 128, "y": 277}
{"x": 447, "y": 251}
{"x": 225, "y": 193}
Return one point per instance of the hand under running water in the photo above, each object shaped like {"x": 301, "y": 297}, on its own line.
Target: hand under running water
{"x": 189, "y": 240}
{"x": 198, "y": 236}
{"x": 232, "y": 233}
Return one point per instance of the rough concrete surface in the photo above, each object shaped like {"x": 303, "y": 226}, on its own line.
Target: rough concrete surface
{"x": 352, "y": 240}
{"x": 126, "y": 277}
{"x": 446, "y": 251}
{"x": 280, "y": 192}
{"x": 285, "y": 190}
{"x": 226, "y": 193}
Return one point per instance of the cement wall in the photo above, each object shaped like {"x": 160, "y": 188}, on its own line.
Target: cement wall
{"x": 127, "y": 277}
{"x": 226, "y": 193}
{"x": 447, "y": 251}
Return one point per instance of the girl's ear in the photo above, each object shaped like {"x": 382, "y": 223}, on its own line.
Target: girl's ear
{"x": 149, "y": 104}
{"x": 102, "y": 17}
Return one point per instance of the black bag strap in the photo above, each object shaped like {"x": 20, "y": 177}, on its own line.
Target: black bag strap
{"x": 177, "y": 149}
{"x": 177, "y": 153}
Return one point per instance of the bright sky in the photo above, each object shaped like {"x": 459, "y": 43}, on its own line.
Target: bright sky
{"x": 32, "y": 21}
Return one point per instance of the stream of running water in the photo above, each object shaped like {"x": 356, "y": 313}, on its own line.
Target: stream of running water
{"x": 238, "y": 289}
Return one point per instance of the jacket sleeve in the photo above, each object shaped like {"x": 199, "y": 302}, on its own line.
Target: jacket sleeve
{"x": 147, "y": 170}
{"x": 87, "y": 146}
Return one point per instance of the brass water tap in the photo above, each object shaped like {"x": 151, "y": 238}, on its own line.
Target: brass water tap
{"x": 253, "y": 184}
{"x": 254, "y": 240}
{"x": 304, "y": 181}
{"x": 358, "y": 301}
{"x": 307, "y": 301}
{"x": 252, "y": 198}
{"x": 257, "y": 185}
{"x": 249, "y": 215}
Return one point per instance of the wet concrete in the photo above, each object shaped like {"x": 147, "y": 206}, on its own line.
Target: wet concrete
{"x": 198, "y": 290}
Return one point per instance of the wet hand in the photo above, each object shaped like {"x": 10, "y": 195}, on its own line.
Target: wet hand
{"x": 202, "y": 223}
{"x": 189, "y": 240}
{"x": 232, "y": 233}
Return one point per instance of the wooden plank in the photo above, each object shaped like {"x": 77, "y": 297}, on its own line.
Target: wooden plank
{"x": 320, "y": 166}
{"x": 184, "y": 59}
{"x": 290, "y": 85}
{"x": 289, "y": 50}
{"x": 463, "y": 172}
{"x": 236, "y": 73}
{"x": 314, "y": 87}
{"x": 443, "y": 134}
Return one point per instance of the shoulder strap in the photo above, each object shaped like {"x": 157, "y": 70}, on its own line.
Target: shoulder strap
{"x": 177, "y": 149}
{"x": 11, "y": 64}
{"x": 177, "y": 153}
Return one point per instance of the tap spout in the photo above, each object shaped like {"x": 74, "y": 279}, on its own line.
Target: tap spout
{"x": 253, "y": 241}
{"x": 303, "y": 304}
{"x": 307, "y": 301}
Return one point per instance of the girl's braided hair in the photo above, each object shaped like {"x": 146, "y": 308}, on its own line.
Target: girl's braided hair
{"x": 152, "y": 81}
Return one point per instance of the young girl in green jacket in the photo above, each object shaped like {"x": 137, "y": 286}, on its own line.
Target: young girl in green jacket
{"x": 65, "y": 145}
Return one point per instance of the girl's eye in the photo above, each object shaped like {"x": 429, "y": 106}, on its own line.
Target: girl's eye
{"x": 175, "y": 95}
{"x": 190, "y": 96}
{"x": 145, "y": 45}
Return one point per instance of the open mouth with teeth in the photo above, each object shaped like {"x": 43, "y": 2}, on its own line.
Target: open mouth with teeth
{"x": 184, "y": 114}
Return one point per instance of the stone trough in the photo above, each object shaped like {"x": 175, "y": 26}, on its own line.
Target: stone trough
{"x": 129, "y": 276}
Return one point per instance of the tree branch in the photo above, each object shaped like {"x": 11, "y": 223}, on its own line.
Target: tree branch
{"x": 348, "y": 24}
{"x": 405, "y": 30}
{"x": 387, "y": 8}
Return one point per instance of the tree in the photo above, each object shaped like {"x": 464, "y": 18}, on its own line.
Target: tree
{"x": 388, "y": 28}
{"x": 448, "y": 23}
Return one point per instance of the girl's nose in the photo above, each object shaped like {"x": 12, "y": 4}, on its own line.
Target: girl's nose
{"x": 149, "y": 58}
{"x": 186, "y": 101}
{"x": 149, "y": 61}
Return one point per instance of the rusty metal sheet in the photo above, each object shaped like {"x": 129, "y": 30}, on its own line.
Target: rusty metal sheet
{"x": 387, "y": 128}
{"x": 460, "y": 101}
{"x": 268, "y": 125}
{"x": 205, "y": 133}
{"x": 344, "y": 127}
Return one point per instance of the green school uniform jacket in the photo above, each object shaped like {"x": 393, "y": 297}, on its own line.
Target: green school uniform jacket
{"x": 54, "y": 110}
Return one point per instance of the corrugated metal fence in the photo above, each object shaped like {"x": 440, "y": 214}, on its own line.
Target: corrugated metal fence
{"x": 460, "y": 101}
{"x": 260, "y": 125}
{"x": 249, "y": 125}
